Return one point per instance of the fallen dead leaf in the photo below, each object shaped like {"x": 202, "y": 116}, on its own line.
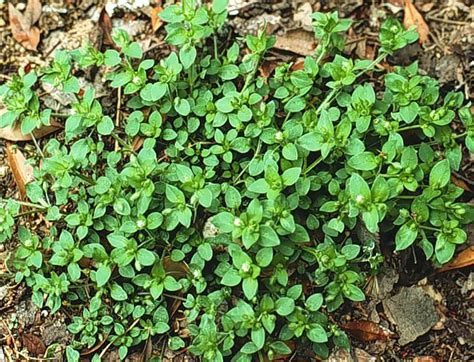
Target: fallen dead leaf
{"x": 156, "y": 22}
{"x": 413, "y": 17}
{"x": 21, "y": 24}
{"x": 105, "y": 25}
{"x": 33, "y": 344}
{"x": 297, "y": 41}
{"x": 22, "y": 171}
{"x": 14, "y": 134}
{"x": 463, "y": 259}
{"x": 367, "y": 331}
{"x": 460, "y": 183}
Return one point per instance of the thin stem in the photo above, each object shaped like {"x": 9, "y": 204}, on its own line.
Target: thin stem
{"x": 216, "y": 55}
{"x": 406, "y": 197}
{"x": 429, "y": 228}
{"x": 415, "y": 126}
{"x": 123, "y": 143}
{"x": 460, "y": 135}
{"x": 313, "y": 165}
{"x": 33, "y": 138}
{"x": 259, "y": 145}
{"x": 29, "y": 204}
{"x": 84, "y": 178}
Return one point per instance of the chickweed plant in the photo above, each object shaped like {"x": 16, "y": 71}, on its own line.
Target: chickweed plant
{"x": 254, "y": 204}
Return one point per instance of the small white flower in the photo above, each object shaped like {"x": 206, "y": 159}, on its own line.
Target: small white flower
{"x": 237, "y": 222}
{"x": 136, "y": 80}
{"x": 140, "y": 224}
{"x": 196, "y": 274}
{"x": 386, "y": 125}
{"x": 279, "y": 136}
{"x": 245, "y": 267}
{"x": 360, "y": 199}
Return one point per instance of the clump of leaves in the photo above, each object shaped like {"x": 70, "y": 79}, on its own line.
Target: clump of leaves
{"x": 255, "y": 204}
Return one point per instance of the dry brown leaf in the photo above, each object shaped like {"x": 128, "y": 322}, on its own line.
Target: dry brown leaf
{"x": 156, "y": 22}
{"x": 426, "y": 359}
{"x": 460, "y": 183}
{"x": 463, "y": 259}
{"x": 14, "y": 134}
{"x": 33, "y": 344}
{"x": 33, "y": 11}
{"x": 413, "y": 17}
{"x": 105, "y": 25}
{"x": 297, "y": 41}
{"x": 367, "y": 331}
{"x": 21, "y": 170}
{"x": 22, "y": 24}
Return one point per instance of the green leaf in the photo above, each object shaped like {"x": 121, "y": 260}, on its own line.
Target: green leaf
{"x": 231, "y": 278}
{"x": 291, "y": 176}
{"x": 219, "y": 6}
{"x": 145, "y": 257}
{"x": 317, "y": 334}
{"x": 285, "y": 306}
{"x": 259, "y": 186}
{"x": 187, "y": 56}
{"x": 295, "y": 104}
{"x": 224, "y": 221}
{"x": 232, "y": 198}
{"x": 102, "y": 275}
{"x": 353, "y": 293}
{"x": 250, "y": 287}
{"x": 112, "y": 58}
{"x": 268, "y": 237}
{"x": 117, "y": 293}
{"x": 153, "y": 91}
{"x": 105, "y": 126}
{"x": 440, "y": 174}
{"x": 314, "y": 302}
{"x": 358, "y": 188}
{"x": 365, "y": 161}
{"x": 182, "y": 106}
{"x": 405, "y": 236}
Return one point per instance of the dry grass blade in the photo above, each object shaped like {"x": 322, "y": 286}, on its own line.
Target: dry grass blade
{"x": 463, "y": 259}
{"x": 367, "y": 331}
{"x": 22, "y": 171}
{"x": 413, "y": 17}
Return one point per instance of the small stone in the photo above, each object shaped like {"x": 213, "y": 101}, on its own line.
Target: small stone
{"x": 412, "y": 311}
{"x": 3, "y": 292}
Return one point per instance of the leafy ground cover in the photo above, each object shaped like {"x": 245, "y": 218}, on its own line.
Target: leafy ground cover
{"x": 254, "y": 204}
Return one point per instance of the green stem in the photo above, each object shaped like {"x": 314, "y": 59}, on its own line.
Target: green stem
{"x": 29, "y": 204}
{"x": 33, "y": 138}
{"x": 460, "y": 135}
{"x": 84, "y": 178}
{"x": 429, "y": 228}
{"x": 216, "y": 55}
{"x": 123, "y": 143}
{"x": 415, "y": 126}
{"x": 259, "y": 145}
{"x": 313, "y": 165}
{"x": 406, "y": 197}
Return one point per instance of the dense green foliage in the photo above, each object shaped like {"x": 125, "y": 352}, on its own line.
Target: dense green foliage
{"x": 257, "y": 203}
